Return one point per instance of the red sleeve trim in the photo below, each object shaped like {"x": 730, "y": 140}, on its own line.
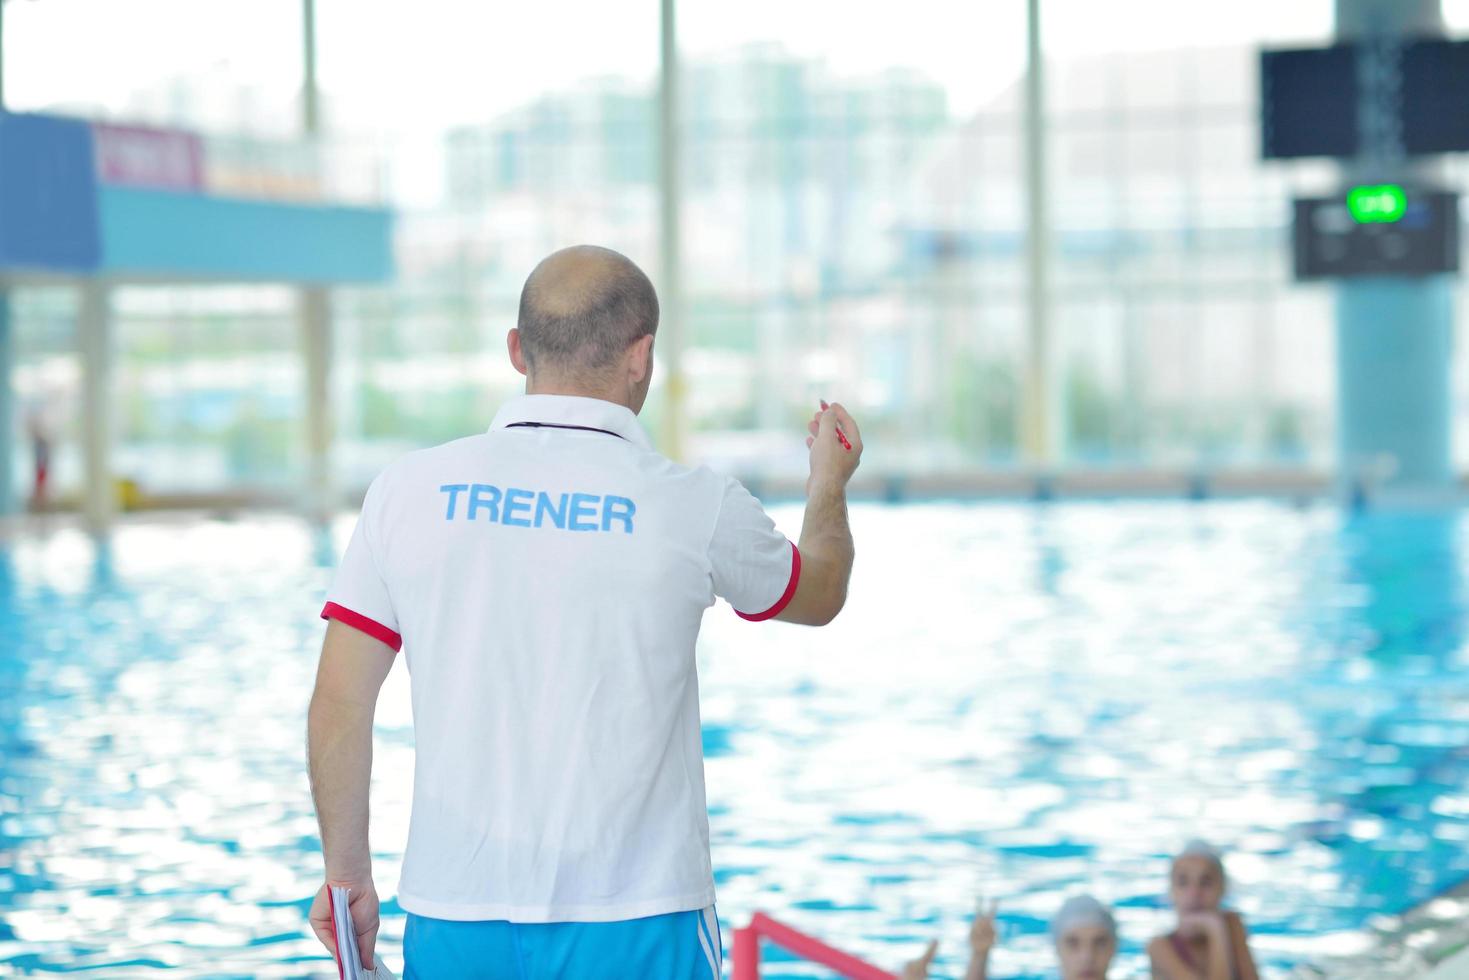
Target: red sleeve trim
{"x": 785, "y": 597}
{"x": 360, "y": 622}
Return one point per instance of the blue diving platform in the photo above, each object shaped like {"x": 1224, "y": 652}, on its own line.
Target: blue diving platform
{"x": 61, "y": 213}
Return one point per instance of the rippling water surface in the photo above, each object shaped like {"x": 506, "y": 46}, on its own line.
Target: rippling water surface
{"x": 1019, "y": 702}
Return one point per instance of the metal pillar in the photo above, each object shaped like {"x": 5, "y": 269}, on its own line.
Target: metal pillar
{"x": 1356, "y": 18}
{"x": 94, "y": 332}
{"x": 1394, "y": 348}
{"x": 314, "y": 305}
{"x": 1037, "y": 410}
{"x": 316, "y": 342}
{"x": 1394, "y": 335}
{"x": 310, "y": 94}
{"x": 670, "y": 330}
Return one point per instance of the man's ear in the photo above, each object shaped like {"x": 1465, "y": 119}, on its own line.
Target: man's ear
{"x": 640, "y": 359}
{"x": 517, "y": 354}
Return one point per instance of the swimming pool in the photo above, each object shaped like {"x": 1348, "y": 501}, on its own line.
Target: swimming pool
{"x": 1019, "y": 700}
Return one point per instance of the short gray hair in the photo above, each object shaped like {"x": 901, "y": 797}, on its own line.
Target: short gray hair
{"x": 582, "y": 306}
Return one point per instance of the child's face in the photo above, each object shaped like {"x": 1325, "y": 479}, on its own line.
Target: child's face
{"x": 1196, "y": 885}
{"x": 1085, "y": 952}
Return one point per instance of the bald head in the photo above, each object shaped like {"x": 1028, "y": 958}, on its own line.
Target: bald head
{"x": 581, "y": 308}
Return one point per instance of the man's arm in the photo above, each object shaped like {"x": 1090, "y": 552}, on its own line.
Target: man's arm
{"x": 339, "y": 743}
{"x": 826, "y": 538}
{"x": 339, "y": 761}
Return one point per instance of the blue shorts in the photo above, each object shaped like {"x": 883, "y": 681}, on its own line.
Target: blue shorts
{"x": 675, "y": 946}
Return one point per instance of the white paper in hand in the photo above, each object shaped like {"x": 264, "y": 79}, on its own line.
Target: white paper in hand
{"x": 349, "y": 961}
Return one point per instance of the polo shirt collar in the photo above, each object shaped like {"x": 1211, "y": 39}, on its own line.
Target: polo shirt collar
{"x": 591, "y": 413}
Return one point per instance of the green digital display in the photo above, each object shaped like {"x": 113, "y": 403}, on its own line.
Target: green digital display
{"x": 1377, "y": 203}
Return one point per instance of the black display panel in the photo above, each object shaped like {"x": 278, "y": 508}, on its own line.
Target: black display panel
{"x": 1435, "y": 96}
{"x": 1332, "y": 242}
{"x": 1308, "y": 102}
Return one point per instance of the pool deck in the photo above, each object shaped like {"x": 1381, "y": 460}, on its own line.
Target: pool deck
{"x": 1429, "y": 942}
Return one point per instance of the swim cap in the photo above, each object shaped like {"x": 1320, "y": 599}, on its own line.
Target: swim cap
{"x": 1082, "y": 910}
{"x": 1202, "y": 849}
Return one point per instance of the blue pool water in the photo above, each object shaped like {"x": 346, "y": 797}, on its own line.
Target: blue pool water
{"x": 1019, "y": 702}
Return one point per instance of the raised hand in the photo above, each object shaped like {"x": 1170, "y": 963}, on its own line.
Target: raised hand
{"x": 1209, "y": 924}
{"x": 918, "y": 969}
{"x": 836, "y": 445}
{"x": 982, "y": 934}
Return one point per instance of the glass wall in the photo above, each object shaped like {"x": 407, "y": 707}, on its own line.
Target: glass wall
{"x": 207, "y": 397}
{"x": 853, "y": 223}
{"x": 854, "y": 228}
{"x": 861, "y": 232}
{"x": 47, "y": 387}
{"x": 208, "y": 390}
{"x": 505, "y": 135}
{"x": 1183, "y": 340}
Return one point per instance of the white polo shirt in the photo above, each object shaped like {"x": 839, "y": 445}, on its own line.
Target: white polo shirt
{"x": 545, "y": 581}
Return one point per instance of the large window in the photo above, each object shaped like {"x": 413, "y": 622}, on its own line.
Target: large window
{"x": 843, "y": 240}
{"x": 853, "y": 206}
{"x": 506, "y": 133}
{"x": 1172, "y": 255}
{"x": 856, "y": 206}
{"x": 47, "y": 388}
{"x": 209, "y": 390}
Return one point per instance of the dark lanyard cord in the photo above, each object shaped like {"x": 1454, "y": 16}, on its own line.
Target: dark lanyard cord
{"x": 557, "y": 425}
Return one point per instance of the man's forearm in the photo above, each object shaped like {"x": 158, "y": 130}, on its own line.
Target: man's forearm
{"x": 339, "y": 758}
{"x": 826, "y": 538}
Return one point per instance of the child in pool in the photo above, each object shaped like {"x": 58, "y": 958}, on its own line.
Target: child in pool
{"x": 1208, "y": 942}
{"x": 1083, "y": 930}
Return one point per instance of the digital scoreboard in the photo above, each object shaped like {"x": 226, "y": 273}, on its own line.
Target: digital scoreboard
{"x": 1417, "y": 89}
{"x": 1376, "y": 230}
{"x": 1308, "y": 102}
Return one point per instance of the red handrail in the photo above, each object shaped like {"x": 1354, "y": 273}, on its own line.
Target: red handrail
{"x": 745, "y": 956}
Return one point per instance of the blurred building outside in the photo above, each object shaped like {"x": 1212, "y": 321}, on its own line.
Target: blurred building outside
{"x": 843, "y": 237}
